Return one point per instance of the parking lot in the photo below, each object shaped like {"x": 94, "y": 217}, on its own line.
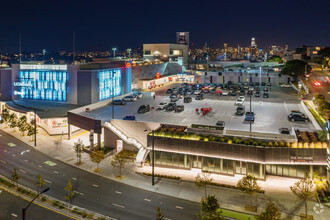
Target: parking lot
{"x": 270, "y": 113}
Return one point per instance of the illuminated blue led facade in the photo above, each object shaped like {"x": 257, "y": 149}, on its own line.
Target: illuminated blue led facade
{"x": 109, "y": 82}
{"x": 43, "y": 85}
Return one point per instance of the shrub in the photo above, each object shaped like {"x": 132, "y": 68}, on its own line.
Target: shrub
{"x": 206, "y": 139}
{"x": 84, "y": 215}
{"x": 44, "y": 199}
{"x": 282, "y": 144}
{"x": 230, "y": 141}
{"x": 255, "y": 143}
{"x": 276, "y": 144}
{"x": 270, "y": 144}
{"x": 251, "y": 142}
{"x": 226, "y": 139}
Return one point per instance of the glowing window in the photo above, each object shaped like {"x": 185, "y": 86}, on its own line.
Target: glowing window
{"x": 109, "y": 83}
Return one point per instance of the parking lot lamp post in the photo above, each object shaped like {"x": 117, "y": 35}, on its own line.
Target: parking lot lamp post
{"x": 113, "y": 95}
{"x": 24, "y": 209}
{"x": 35, "y": 127}
{"x": 251, "y": 112}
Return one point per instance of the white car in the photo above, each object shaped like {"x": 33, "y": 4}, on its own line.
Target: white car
{"x": 138, "y": 94}
{"x": 239, "y": 102}
{"x": 225, "y": 92}
{"x": 241, "y": 98}
{"x": 130, "y": 98}
{"x": 162, "y": 105}
{"x": 251, "y": 88}
{"x": 197, "y": 92}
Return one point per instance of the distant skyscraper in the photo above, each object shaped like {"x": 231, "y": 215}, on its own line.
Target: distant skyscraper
{"x": 225, "y": 45}
{"x": 253, "y": 42}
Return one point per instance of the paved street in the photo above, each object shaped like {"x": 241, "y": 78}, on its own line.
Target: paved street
{"x": 92, "y": 191}
{"x": 323, "y": 88}
{"x": 11, "y": 209}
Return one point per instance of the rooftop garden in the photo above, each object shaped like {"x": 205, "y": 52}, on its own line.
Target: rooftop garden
{"x": 179, "y": 133}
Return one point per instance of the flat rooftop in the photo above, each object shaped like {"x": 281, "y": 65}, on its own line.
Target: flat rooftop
{"x": 44, "y": 109}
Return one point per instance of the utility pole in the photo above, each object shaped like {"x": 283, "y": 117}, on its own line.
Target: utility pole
{"x": 113, "y": 95}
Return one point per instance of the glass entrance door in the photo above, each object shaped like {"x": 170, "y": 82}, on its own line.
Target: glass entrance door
{"x": 197, "y": 162}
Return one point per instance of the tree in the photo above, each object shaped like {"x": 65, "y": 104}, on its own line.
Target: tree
{"x": 121, "y": 159}
{"x": 78, "y": 149}
{"x": 249, "y": 185}
{"x": 5, "y": 116}
{"x": 304, "y": 190}
{"x": 210, "y": 209}
{"x": 13, "y": 123}
{"x": 96, "y": 156}
{"x": 40, "y": 183}
{"x": 275, "y": 58}
{"x": 15, "y": 177}
{"x": 295, "y": 68}
{"x": 22, "y": 125}
{"x": 202, "y": 180}
{"x": 272, "y": 212}
{"x": 68, "y": 192}
{"x": 159, "y": 214}
{"x": 31, "y": 130}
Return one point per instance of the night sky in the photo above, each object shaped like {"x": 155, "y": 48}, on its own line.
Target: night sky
{"x": 103, "y": 24}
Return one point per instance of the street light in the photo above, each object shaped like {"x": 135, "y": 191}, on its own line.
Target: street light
{"x": 114, "y": 52}
{"x": 153, "y": 156}
{"x": 35, "y": 127}
{"x": 24, "y": 209}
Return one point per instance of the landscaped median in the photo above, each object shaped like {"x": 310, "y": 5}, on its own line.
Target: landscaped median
{"x": 51, "y": 203}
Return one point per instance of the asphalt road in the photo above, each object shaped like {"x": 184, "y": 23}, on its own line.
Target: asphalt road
{"x": 11, "y": 209}
{"x": 92, "y": 192}
{"x": 323, "y": 88}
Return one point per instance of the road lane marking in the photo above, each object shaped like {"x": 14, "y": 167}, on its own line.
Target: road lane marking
{"x": 74, "y": 178}
{"x": 167, "y": 218}
{"x": 50, "y": 163}
{"x": 178, "y": 207}
{"x": 2, "y": 161}
{"x": 117, "y": 192}
{"x": 26, "y": 161}
{"x": 5, "y": 151}
{"x": 148, "y": 200}
{"x": 79, "y": 134}
{"x": 14, "y": 215}
{"x": 55, "y": 172}
{"x": 47, "y": 181}
{"x": 40, "y": 166}
{"x": 14, "y": 155}
{"x": 79, "y": 193}
{"x": 22, "y": 171}
{"x": 25, "y": 151}
{"x": 11, "y": 144}
{"x": 95, "y": 185}
{"x": 120, "y": 206}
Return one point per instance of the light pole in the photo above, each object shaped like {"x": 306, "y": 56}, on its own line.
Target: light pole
{"x": 35, "y": 127}
{"x": 251, "y": 113}
{"x": 129, "y": 52}
{"x": 113, "y": 95}
{"x": 114, "y": 52}
{"x": 24, "y": 209}
{"x": 153, "y": 156}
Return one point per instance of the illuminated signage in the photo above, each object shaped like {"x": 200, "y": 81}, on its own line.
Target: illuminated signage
{"x": 301, "y": 159}
{"x": 23, "y": 84}
{"x": 42, "y": 67}
{"x": 128, "y": 65}
{"x": 157, "y": 75}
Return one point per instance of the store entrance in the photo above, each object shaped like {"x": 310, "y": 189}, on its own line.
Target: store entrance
{"x": 197, "y": 162}
{"x": 240, "y": 167}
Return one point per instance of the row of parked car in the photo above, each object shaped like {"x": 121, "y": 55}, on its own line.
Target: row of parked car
{"x": 172, "y": 106}
{"x": 130, "y": 98}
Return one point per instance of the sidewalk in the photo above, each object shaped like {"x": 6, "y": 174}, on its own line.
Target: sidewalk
{"x": 276, "y": 188}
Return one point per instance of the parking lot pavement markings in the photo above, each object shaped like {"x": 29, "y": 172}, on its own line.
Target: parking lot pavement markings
{"x": 11, "y": 144}
{"x": 50, "y": 163}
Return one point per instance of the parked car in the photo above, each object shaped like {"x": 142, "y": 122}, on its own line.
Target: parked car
{"x": 143, "y": 109}
{"x": 251, "y": 88}
{"x": 225, "y": 92}
{"x": 249, "y": 93}
{"x": 266, "y": 89}
{"x": 240, "y": 110}
{"x": 190, "y": 92}
{"x": 263, "y": 84}
{"x": 265, "y": 95}
{"x": 171, "y": 106}
{"x": 162, "y": 105}
{"x": 269, "y": 84}
{"x": 258, "y": 89}
{"x": 220, "y": 124}
{"x": 139, "y": 94}
{"x": 199, "y": 97}
{"x": 179, "y": 108}
{"x": 196, "y": 92}
{"x": 284, "y": 131}
{"x": 130, "y": 98}
{"x": 232, "y": 93}
{"x": 129, "y": 118}
{"x": 249, "y": 116}
{"x": 298, "y": 117}
{"x": 118, "y": 102}
{"x": 239, "y": 102}
{"x": 242, "y": 92}
{"x": 174, "y": 99}
{"x": 257, "y": 94}
{"x": 257, "y": 84}
{"x": 169, "y": 91}
{"x": 187, "y": 99}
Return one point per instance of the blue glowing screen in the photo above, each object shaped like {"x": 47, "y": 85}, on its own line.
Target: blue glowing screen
{"x": 43, "y": 85}
{"x": 109, "y": 82}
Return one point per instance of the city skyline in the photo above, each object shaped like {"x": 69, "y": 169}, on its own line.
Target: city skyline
{"x": 129, "y": 24}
